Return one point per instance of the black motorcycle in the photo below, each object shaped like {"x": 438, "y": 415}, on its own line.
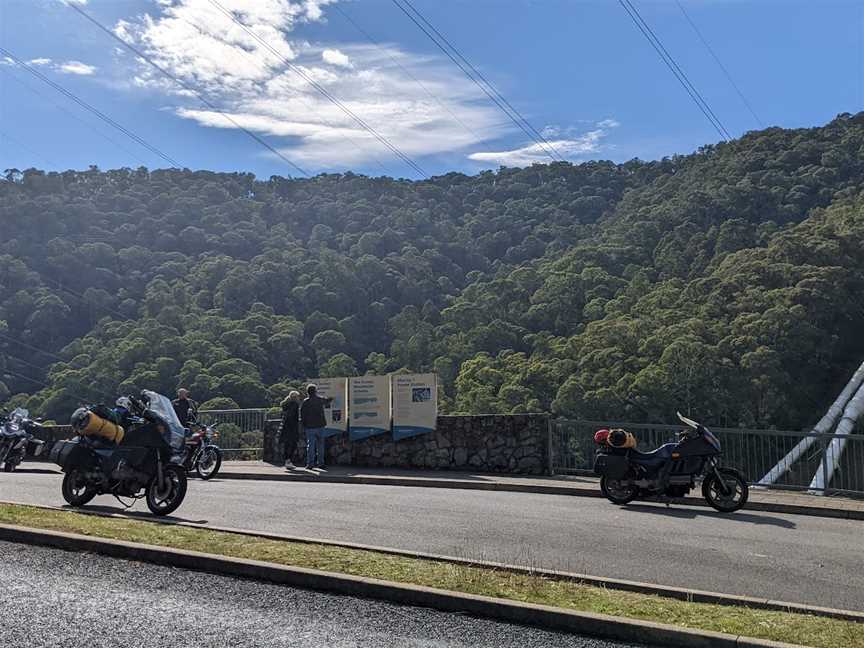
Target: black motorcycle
{"x": 669, "y": 471}
{"x": 129, "y": 451}
{"x": 16, "y": 438}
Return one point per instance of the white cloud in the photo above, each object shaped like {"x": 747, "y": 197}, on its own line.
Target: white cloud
{"x": 76, "y": 67}
{"x": 336, "y": 57}
{"x": 63, "y": 67}
{"x": 259, "y": 90}
{"x": 570, "y": 148}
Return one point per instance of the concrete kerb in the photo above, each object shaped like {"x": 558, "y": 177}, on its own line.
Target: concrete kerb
{"x": 677, "y": 593}
{"x": 502, "y": 610}
{"x": 542, "y": 489}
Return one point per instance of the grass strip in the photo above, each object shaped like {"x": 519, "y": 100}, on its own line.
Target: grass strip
{"x": 777, "y": 626}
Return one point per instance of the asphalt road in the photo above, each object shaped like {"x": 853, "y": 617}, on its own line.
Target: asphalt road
{"x": 793, "y": 558}
{"x": 55, "y": 598}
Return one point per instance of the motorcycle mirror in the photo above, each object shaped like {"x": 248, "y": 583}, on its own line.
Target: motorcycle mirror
{"x": 688, "y": 422}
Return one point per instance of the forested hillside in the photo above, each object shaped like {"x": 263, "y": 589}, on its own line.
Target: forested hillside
{"x": 727, "y": 283}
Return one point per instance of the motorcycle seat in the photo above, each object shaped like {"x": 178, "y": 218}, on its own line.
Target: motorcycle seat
{"x": 655, "y": 458}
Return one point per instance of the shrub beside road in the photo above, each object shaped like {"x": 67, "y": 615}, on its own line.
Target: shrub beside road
{"x": 773, "y": 625}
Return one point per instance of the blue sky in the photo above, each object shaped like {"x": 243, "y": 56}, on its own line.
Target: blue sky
{"x": 577, "y": 70}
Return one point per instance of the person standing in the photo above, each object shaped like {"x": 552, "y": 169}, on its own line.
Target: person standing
{"x": 290, "y": 430}
{"x": 185, "y": 407}
{"x": 314, "y": 421}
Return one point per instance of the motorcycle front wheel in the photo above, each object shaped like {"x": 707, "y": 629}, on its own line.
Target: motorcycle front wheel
{"x": 8, "y": 466}
{"x": 167, "y": 499}
{"x": 618, "y": 491}
{"x": 75, "y": 490}
{"x": 729, "y": 495}
{"x": 209, "y": 462}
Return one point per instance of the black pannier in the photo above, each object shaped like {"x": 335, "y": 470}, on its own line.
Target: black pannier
{"x": 612, "y": 466}
{"x": 64, "y": 452}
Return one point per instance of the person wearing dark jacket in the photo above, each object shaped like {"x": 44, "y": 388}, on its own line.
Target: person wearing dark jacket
{"x": 290, "y": 429}
{"x": 185, "y": 407}
{"x": 314, "y": 421}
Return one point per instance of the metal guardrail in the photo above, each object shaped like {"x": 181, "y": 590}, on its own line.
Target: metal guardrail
{"x": 754, "y": 452}
{"x": 241, "y": 431}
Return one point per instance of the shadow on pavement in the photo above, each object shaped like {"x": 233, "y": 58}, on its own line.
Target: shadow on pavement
{"x": 145, "y": 515}
{"x": 692, "y": 513}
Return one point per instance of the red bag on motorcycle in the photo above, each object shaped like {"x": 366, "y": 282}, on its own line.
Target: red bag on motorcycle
{"x": 600, "y": 437}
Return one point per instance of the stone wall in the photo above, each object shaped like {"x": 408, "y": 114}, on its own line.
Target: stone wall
{"x": 516, "y": 443}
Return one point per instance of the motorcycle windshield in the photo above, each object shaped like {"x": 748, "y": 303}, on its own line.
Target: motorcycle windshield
{"x": 161, "y": 405}
{"x": 713, "y": 440}
{"x": 16, "y": 420}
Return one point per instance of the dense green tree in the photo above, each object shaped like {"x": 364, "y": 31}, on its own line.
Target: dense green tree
{"x": 726, "y": 283}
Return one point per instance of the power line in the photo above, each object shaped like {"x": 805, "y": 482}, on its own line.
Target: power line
{"x": 406, "y": 71}
{"x": 26, "y": 149}
{"x": 25, "y": 363}
{"x": 676, "y": 70}
{"x": 479, "y": 80}
{"x": 93, "y": 110}
{"x": 74, "y": 116}
{"x": 33, "y": 366}
{"x": 351, "y": 141}
{"x": 323, "y": 91}
{"x": 720, "y": 64}
{"x": 9, "y": 372}
{"x": 42, "y": 383}
{"x": 84, "y": 299}
{"x": 31, "y": 348}
{"x": 185, "y": 86}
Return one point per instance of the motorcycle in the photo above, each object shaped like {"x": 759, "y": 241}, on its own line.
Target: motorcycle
{"x": 202, "y": 455}
{"x": 669, "y": 471}
{"x": 16, "y": 438}
{"x": 134, "y": 450}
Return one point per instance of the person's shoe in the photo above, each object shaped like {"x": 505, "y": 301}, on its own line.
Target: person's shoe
{"x": 289, "y": 466}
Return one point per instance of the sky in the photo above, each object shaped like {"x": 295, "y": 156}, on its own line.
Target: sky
{"x": 293, "y": 87}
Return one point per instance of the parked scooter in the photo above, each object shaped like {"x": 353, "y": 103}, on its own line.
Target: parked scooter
{"x": 16, "y": 438}
{"x": 671, "y": 470}
{"x": 202, "y": 454}
{"x": 132, "y": 450}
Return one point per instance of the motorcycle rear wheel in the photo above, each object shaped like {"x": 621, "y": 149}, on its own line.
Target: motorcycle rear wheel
{"x": 617, "y": 491}
{"x": 729, "y": 502}
{"x": 75, "y": 491}
{"x": 209, "y": 462}
{"x": 169, "y": 500}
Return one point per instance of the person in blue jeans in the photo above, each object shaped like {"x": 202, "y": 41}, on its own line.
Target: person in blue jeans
{"x": 314, "y": 421}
